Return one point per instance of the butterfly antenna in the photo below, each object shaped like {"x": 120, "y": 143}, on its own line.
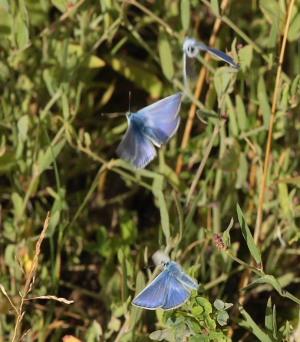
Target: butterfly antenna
{"x": 129, "y": 100}
{"x": 150, "y": 266}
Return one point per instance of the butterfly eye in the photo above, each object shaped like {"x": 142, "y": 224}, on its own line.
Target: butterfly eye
{"x": 191, "y": 49}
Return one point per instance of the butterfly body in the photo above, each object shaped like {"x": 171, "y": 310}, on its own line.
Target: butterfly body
{"x": 192, "y": 47}
{"x": 157, "y": 137}
{"x": 152, "y": 125}
{"x": 168, "y": 290}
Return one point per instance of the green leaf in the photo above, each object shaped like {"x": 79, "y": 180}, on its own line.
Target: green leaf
{"x": 4, "y": 4}
{"x": 242, "y": 172}
{"x": 89, "y": 61}
{"x": 18, "y": 204}
{"x": 62, "y": 5}
{"x": 202, "y": 338}
{"x": 93, "y": 62}
{"x": 197, "y": 311}
{"x": 226, "y": 233}
{"x": 223, "y": 81}
{"x": 136, "y": 312}
{"x": 10, "y": 255}
{"x": 230, "y": 160}
{"x": 222, "y": 317}
{"x": 248, "y": 236}
{"x": 22, "y": 31}
{"x": 185, "y": 14}
{"x": 263, "y": 102}
{"x": 23, "y": 124}
{"x": 206, "y": 305}
{"x": 272, "y": 11}
{"x": 71, "y": 55}
{"x": 269, "y": 316}
{"x": 7, "y": 160}
{"x": 215, "y": 7}
{"x": 55, "y": 218}
{"x": 242, "y": 118}
{"x": 93, "y": 333}
{"x": 233, "y": 126}
{"x": 45, "y": 158}
{"x": 219, "y": 304}
{"x": 293, "y": 180}
{"x": 269, "y": 279}
{"x": 161, "y": 335}
{"x": 294, "y": 29}
{"x": 164, "y": 215}
{"x": 165, "y": 56}
{"x": 245, "y": 56}
{"x": 284, "y": 200}
{"x": 6, "y": 21}
{"x": 250, "y": 325}
{"x": 128, "y": 229}
{"x": 65, "y": 106}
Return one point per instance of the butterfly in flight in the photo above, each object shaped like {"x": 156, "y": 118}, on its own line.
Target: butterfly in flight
{"x": 191, "y": 49}
{"x": 169, "y": 290}
{"x": 152, "y": 125}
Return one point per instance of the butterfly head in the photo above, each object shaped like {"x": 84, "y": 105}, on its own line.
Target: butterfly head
{"x": 190, "y": 47}
{"x": 165, "y": 264}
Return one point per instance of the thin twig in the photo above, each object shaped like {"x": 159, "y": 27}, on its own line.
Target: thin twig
{"x": 203, "y": 161}
{"x": 272, "y": 121}
{"x": 29, "y": 279}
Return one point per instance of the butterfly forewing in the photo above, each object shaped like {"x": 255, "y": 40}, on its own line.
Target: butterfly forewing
{"x": 222, "y": 55}
{"x": 161, "y": 120}
{"x": 154, "y": 295}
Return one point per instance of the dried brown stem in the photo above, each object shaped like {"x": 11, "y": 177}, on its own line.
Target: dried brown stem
{"x": 272, "y": 121}
{"x": 30, "y": 280}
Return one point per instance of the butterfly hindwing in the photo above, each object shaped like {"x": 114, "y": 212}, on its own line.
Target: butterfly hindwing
{"x": 135, "y": 147}
{"x": 177, "y": 294}
{"x": 188, "y": 69}
{"x": 188, "y": 282}
{"x": 154, "y": 295}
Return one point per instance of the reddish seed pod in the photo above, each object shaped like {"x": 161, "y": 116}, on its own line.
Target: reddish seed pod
{"x": 219, "y": 242}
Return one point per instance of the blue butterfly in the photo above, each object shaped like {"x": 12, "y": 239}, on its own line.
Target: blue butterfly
{"x": 191, "y": 49}
{"x": 152, "y": 125}
{"x": 168, "y": 290}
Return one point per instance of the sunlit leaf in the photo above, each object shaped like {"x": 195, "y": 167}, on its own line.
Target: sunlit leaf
{"x": 250, "y": 325}
{"x": 248, "y": 236}
{"x": 264, "y": 102}
{"x": 185, "y": 14}
{"x": 230, "y": 160}
{"x": 165, "y": 55}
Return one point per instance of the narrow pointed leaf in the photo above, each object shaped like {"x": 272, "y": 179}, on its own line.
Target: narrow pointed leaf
{"x": 248, "y": 236}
